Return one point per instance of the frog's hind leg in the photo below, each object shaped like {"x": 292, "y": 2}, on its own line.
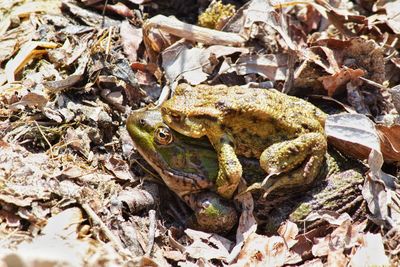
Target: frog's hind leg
{"x": 293, "y": 163}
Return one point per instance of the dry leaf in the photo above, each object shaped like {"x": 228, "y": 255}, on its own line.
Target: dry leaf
{"x": 48, "y": 7}
{"x": 259, "y": 250}
{"x": 288, "y": 231}
{"x": 131, "y": 39}
{"x": 119, "y": 168}
{"x": 58, "y": 245}
{"x": 247, "y": 223}
{"x": 380, "y": 188}
{"x": 181, "y": 60}
{"x": 28, "y": 51}
{"x": 138, "y": 199}
{"x": 262, "y": 11}
{"x": 334, "y": 82}
{"x": 371, "y": 252}
{"x": 390, "y": 141}
{"x": 353, "y": 134}
{"x": 273, "y": 67}
{"x": 207, "y": 246}
{"x": 30, "y": 100}
{"x": 381, "y": 193}
{"x": 329, "y": 216}
{"x": 393, "y": 20}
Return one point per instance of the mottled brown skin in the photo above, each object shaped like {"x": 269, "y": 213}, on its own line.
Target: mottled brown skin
{"x": 286, "y": 133}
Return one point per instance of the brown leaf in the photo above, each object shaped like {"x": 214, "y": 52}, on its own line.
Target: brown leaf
{"x": 380, "y": 189}
{"x": 52, "y": 7}
{"x": 395, "y": 93}
{"x": 337, "y": 258}
{"x": 119, "y": 168}
{"x": 333, "y": 82}
{"x": 264, "y": 12}
{"x": 118, "y": 9}
{"x": 58, "y": 245}
{"x": 131, "y": 39}
{"x": 313, "y": 263}
{"x": 259, "y": 250}
{"x": 138, "y": 199}
{"x": 30, "y": 100}
{"x": 207, "y": 246}
{"x": 390, "y": 141}
{"x": 288, "y": 231}
{"x": 381, "y": 192}
{"x": 343, "y": 237}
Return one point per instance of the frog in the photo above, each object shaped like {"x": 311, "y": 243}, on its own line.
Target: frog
{"x": 189, "y": 167}
{"x": 285, "y": 133}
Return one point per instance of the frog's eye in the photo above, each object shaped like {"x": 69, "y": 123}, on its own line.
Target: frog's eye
{"x": 163, "y": 136}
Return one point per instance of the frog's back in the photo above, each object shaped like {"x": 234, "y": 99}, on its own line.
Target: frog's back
{"x": 251, "y": 108}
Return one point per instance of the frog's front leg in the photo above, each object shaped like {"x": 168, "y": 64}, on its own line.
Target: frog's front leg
{"x": 296, "y": 162}
{"x": 230, "y": 169}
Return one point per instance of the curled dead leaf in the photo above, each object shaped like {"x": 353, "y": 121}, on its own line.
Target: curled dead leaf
{"x": 28, "y": 51}
{"x": 390, "y": 141}
{"x": 30, "y": 100}
{"x": 334, "y": 82}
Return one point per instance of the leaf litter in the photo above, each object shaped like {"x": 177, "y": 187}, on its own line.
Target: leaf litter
{"x": 73, "y": 192}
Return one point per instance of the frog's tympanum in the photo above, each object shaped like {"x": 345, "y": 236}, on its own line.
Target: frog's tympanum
{"x": 188, "y": 166}
{"x": 284, "y": 132}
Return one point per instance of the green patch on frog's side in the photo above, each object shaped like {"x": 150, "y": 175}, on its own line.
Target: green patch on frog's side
{"x": 339, "y": 191}
{"x": 185, "y": 160}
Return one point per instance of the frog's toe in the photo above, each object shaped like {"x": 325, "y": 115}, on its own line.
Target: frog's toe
{"x": 228, "y": 181}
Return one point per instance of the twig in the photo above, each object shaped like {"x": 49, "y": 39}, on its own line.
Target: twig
{"x": 192, "y": 32}
{"x": 370, "y": 82}
{"x": 96, "y": 219}
{"x": 103, "y": 14}
{"x": 152, "y": 230}
{"x": 44, "y": 137}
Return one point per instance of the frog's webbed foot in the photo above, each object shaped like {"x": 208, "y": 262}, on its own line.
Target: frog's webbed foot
{"x": 212, "y": 213}
{"x": 230, "y": 169}
{"x": 293, "y": 163}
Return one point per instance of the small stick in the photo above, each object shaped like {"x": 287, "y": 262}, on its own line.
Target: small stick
{"x": 152, "y": 230}
{"x": 96, "y": 219}
{"x": 192, "y": 32}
